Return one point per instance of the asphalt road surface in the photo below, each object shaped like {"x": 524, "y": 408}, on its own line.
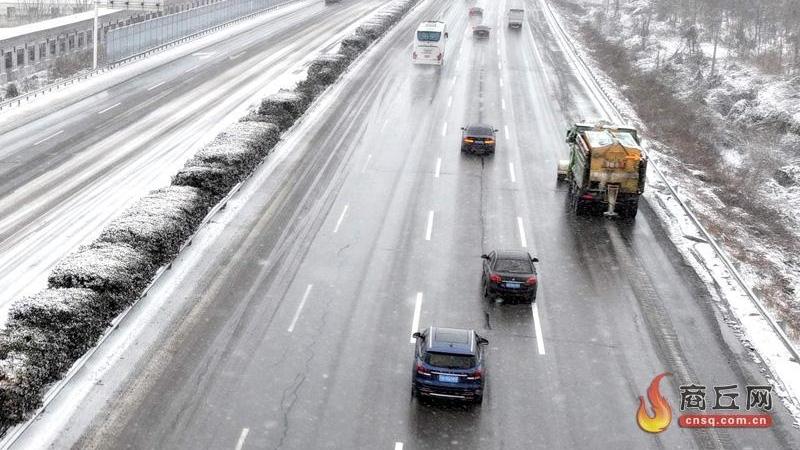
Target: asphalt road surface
{"x": 291, "y": 329}
{"x": 73, "y": 161}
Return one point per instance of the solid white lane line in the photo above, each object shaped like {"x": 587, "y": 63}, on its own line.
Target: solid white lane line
{"x": 505, "y": 128}
{"x": 438, "y": 167}
{"x": 341, "y": 217}
{"x": 522, "y": 239}
{"x": 444, "y": 129}
{"x": 511, "y": 172}
{"x": 537, "y": 326}
{"x": 238, "y": 55}
{"x": 242, "y": 437}
{"x": 155, "y": 86}
{"x": 364, "y": 169}
{"x": 191, "y": 69}
{"x": 415, "y": 320}
{"x": 503, "y": 103}
{"x": 398, "y": 446}
{"x": 429, "y": 228}
{"x": 300, "y": 308}
{"x": 109, "y": 108}
{"x": 49, "y": 137}
{"x": 450, "y": 101}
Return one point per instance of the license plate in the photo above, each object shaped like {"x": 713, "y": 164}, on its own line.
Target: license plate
{"x": 513, "y": 285}
{"x": 448, "y": 378}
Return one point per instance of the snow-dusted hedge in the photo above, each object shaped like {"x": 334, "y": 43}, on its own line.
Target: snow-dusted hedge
{"x": 21, "y": 385}
{"x": 106, "y": 267}
{"x": 285, "y": 107}
{"x": 352, "y": 46}
{"x": 325, "y": 69}
{"x": 77, "y": 316}
{"x": 159, "y": 222}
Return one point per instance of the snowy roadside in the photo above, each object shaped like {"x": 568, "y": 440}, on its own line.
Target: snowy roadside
{"x": 88, "y": 290}
{"x": 736, "y": 307}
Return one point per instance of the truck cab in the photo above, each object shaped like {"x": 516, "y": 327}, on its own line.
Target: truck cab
{"x": 515, "y": 17}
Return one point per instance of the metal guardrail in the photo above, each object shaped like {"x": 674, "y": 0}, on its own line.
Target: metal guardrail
{"x": 612, "y": 111}
{"x": 17, "y": 101}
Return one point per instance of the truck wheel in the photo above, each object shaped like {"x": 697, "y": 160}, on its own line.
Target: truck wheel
{"x": 629, "y": 210}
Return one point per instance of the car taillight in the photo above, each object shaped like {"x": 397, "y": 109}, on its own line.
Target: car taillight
{"x": 587, "y": 197}
{"x": 414, "y": 55}
{"x": 469, "y": 141}
{"x": 489, "y": 141}
{"x": 495, "y": 278}
{"x": 476, "y": 375}
{"x": 531, "y": 281}
{"x": 439, "y": 57}
{"x": 421, "y": 370}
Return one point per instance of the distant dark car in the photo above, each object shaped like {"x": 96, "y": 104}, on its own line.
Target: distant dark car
{"x": 480, "y": 31}
{"x": 476, "y": 11}
{"x": 478, "y": 139}
{"x": 508, "y": 273}
{"x": 449, "y": 364}
{"x": 328, "y": 2}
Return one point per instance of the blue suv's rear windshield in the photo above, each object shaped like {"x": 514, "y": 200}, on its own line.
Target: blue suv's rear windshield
{"x": 450, "y": 361}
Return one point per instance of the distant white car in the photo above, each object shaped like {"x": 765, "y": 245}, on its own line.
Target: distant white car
{"x": 515, "y": 17}
{"x": 480, "y": 31}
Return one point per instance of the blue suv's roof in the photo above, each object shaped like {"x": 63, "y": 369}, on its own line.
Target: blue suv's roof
{"x": 451, "y": 340}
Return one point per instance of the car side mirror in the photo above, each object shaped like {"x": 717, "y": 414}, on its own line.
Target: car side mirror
{"x": 446, "y": 35}
{"x": 496, "y": 130}
{"x": 535, "y": 259}
{"x": 485, "y": 256}
{"x": 482, "y": 341}
{"x": 418, "y": 335}
{"x": 463, "y": 128}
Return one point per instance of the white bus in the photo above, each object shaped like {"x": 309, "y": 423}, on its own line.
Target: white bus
{"x": 429, "y": 43}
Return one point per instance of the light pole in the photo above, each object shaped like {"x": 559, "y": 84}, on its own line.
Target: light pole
{"x": 94, "y": 38}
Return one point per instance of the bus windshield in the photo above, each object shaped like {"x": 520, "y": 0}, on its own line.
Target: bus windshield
{"x": 429, "y": 36}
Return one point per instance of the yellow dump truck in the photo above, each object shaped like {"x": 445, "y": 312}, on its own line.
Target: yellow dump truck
{"x": 606, "y": 169}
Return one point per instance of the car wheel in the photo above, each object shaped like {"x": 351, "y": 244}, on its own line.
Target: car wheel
{"x": 478, "y": 399}
{"x": 486, "y": 294}
{"x": 531, "y": 299}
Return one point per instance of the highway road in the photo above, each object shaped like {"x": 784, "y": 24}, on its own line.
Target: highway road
{"x": 73, "y": 161}
{"x": 288, "y": 325}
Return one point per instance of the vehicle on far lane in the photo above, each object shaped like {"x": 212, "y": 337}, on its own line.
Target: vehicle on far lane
{"x": 515, "y": 17}
{"x": 328, "y": 2}
{"x": 480, "y": 31}
{"x": 449, "y": 364}
{"x": 429, "y": 43}
{"x": 476, "y": 11}
{"x": 478, "y": 139}
{"x": 509, "y": 274}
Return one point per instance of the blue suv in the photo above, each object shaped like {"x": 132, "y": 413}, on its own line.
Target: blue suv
{"x": 449, "y": 363}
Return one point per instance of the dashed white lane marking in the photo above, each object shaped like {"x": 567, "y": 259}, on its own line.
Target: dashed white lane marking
{"x": 300, "y": 308}
{"x": 444, "y": 129}
{"x": 501, "y": 82}
{"x": 384, "y": 124}
{"x": 511, "y": 172}
{"x": 49, "y": 137}
{"x": 398, "y": 446}
{"x": 366, "y": 164}
{"x": 237, "y": 55}
{"x": 242, "y": 437}
{"x": 503, "y": 104}
{"x": 505, "y": 129}
{"x": 341, "y": 217}
{"x": 429, "y": 228}
{"x": 537, "y": 328}
{"x": 415, "y": 320}
{"x": 155, "y": 86}
{"x": 204, "y": 55}
{"x": 450, "y": 101}
{"x": 499, "y": 65}
{"x": 191, "y": 69}
{"x": 438, "y": 167}
{"x": 522, "y": 239}
{"x": 109, "y": 108}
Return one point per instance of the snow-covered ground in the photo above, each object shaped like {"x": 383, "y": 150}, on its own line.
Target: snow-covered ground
{"x": 747, "y": 199}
